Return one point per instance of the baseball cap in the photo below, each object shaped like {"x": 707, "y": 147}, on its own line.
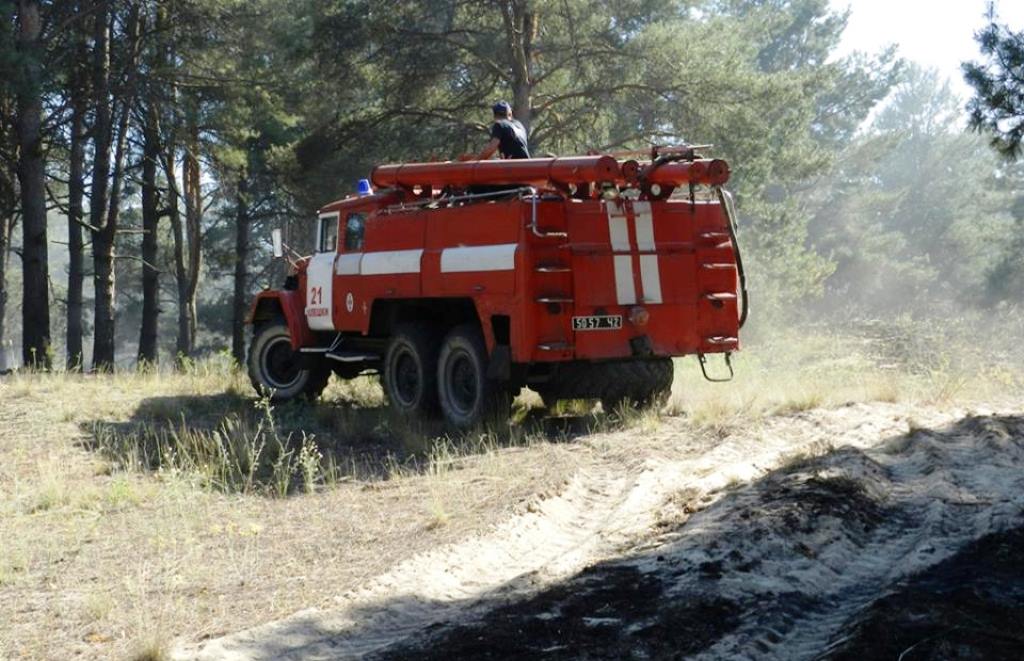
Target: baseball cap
{"x": 501, "y": 108}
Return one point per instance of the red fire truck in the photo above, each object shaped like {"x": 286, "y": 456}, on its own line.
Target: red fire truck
{"x": 460, "y": 283}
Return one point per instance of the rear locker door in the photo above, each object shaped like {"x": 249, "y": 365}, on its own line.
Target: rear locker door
{"x": 698, "y": 278}
{"x": 717, "y": 282}
{"x": 629, "y": 254}
{"x": 615, "y": 268}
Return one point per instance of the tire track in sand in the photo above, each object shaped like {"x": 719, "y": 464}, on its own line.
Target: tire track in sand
{"x": 599, "y": 514}
{"x": 539, "y": 546}
{"x": 941, "y": 488}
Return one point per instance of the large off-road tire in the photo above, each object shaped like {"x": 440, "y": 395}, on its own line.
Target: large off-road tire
{"x": 468, "y": 398}
{"x": 639, "y": 383}
{"x": 276, "y": 371}
{"x": 409, "y": 372}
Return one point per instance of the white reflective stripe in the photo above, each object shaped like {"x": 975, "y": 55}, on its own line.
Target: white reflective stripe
{"x": 644, "y": 226}
{"x": 618, "y": 228}
{"x": 625, "y": 290}
{"x": 650, "y": 278}
{"x": 500, "y": 257}
{"x": 348, "y": 263}
{"x": 618, "y": 234}
{"x": 391, "y": 261}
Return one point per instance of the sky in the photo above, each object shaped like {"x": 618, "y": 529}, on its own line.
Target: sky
{"x": 934, "y": 33}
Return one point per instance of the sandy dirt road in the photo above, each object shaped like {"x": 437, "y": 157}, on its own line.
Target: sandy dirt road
{"x": 780, "y": 541}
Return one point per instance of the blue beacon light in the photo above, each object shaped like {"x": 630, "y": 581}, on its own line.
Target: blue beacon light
{"x": 365, "y": 188}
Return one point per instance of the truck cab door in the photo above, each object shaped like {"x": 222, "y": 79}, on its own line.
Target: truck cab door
{"x": 320, "y": 275}
{"x": 350, "y": 304}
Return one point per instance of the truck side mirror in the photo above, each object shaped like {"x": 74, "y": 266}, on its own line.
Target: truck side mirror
{"x": 275, "y": 236}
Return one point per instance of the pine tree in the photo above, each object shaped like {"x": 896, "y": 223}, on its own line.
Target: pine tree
{"x": 9, "y": 193}
{"x": 997, "y": 109}
{"x": 998, "y": 103}
{"x": 32, "y": 182}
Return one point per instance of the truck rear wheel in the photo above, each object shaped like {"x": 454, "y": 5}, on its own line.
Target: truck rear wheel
{"x": 640, "y": 383}
{"x": 468, "y": 398}
{"x": 276, "y": 370}
{"x": 409, "y": 373}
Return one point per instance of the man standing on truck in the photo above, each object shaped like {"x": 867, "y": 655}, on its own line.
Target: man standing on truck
{"x": 508, "y": 136}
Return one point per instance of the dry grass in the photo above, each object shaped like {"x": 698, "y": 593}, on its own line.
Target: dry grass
{"x": 794, "y": 372}
{"x": 129, "y": 516}
{"x": 141, "y": 507}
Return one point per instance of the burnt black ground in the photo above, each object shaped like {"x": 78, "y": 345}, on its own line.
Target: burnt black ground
{"x": 970, "y": 606}
{"x": 614, "y": 610}
{"x": 607, "y": 612}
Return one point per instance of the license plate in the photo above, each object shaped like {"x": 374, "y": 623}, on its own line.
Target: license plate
{"x": 597, "y": 322}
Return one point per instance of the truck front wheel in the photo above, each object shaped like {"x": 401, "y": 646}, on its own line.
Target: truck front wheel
{"x": 468, "y": 398}
{"x": 276, "y": 371}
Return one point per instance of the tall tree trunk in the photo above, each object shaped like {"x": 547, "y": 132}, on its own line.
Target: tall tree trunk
{"x": 6, "y": 225}
{"x": 32, "y": 182}
{"x": 76, "y": 256}
{"x": 240, "y": 299}
{"x": 193, "y": 222}
{"x": 104, "y": 284}
{"x": 103, "y": 349}
{"x": 8, "y": 211}
{"x": 187, "y": 238}
{"x": 104, "y": 275}
{"x": 149, "y": 332}
{"x": 521, "y": 25}
{"x": 76, "y": 214}
{"x": 184, "y": 340}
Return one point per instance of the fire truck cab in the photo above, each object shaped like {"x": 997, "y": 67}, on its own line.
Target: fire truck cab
{"x": 461, "y": 283}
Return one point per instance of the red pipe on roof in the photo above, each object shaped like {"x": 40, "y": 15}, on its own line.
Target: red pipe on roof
{"x": 713, "y": 172}
{"x": 527, "y": 171}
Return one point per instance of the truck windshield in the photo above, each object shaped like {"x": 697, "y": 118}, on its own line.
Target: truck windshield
{"x": 354, "y": 232}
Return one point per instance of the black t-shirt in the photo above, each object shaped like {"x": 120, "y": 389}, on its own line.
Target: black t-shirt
{"x": 513, "y": 138}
